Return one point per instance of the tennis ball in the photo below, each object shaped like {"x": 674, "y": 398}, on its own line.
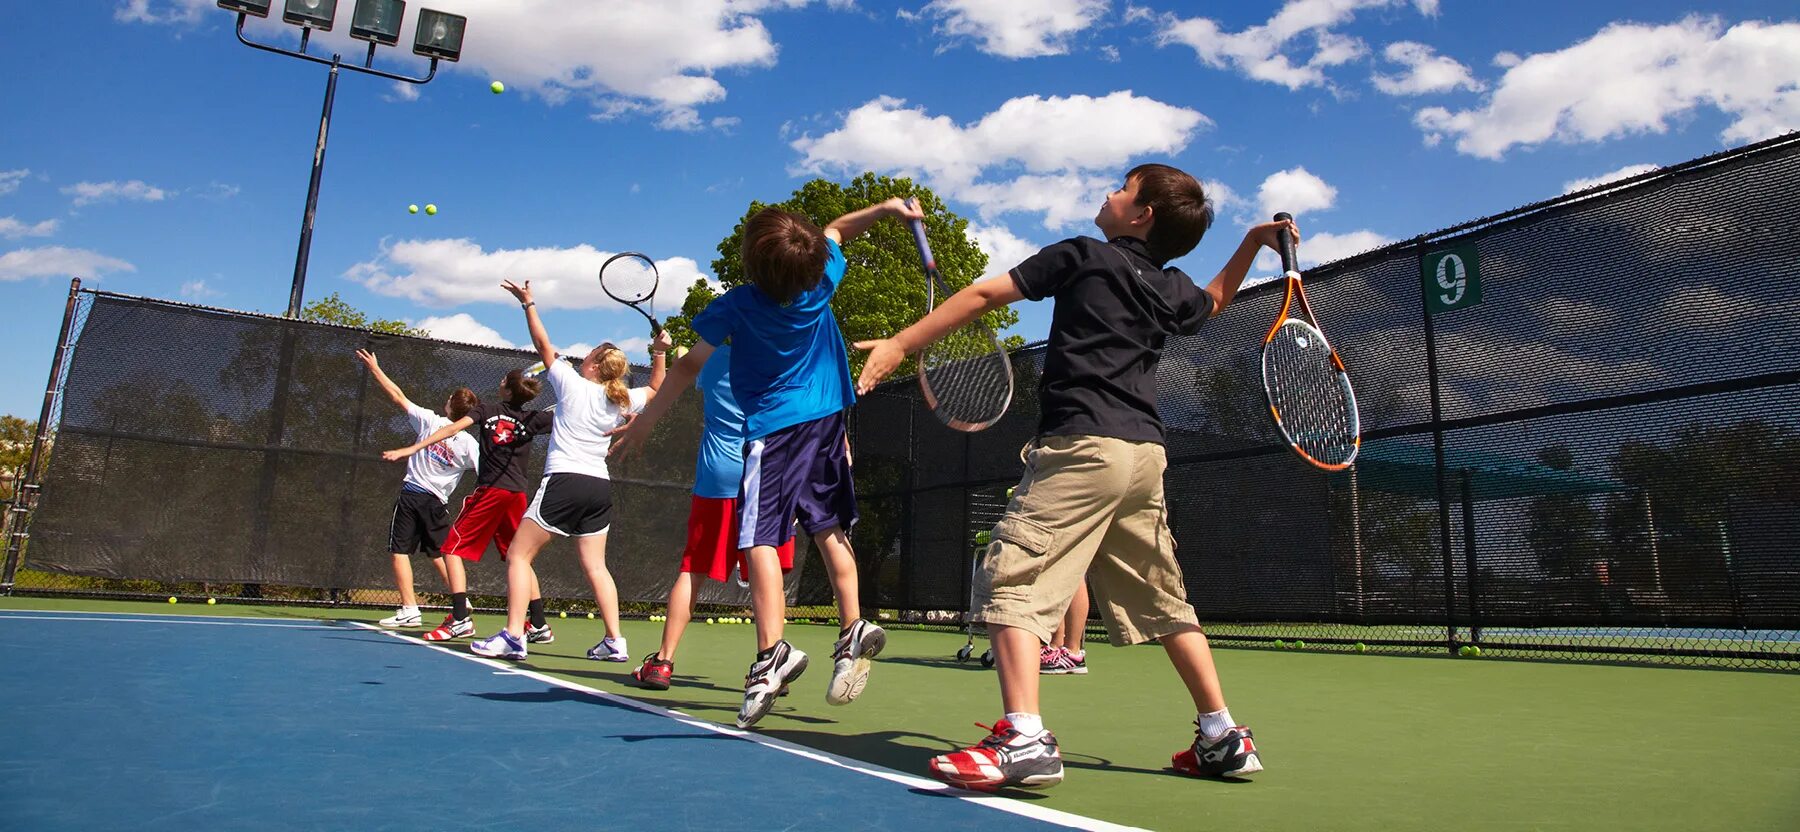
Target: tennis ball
{"x": 412, "y": 209}
{"x": 1463, "y": 650}
{"x": 171, "y": 599}
{"x": 431, "y": 209}
{"x": 1361, "y": 647}
{"x": 497, "y": 87}
{"x": 211, "y": 601}
{"x": 1009, "y": 492}
{"x": 984, "y": 538}
{"x": 1280, "y": 644}
{"x": 1299, "y": 645}
{"x": 563, "y": 614}
{"x": 709, "y": 621}
{"x": 1475, "y": 650}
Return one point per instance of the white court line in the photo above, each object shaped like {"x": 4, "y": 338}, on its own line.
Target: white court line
{"x": 101, "y": 618}
{"x": 991, "y": 801}
{"x": 92, "y": 613}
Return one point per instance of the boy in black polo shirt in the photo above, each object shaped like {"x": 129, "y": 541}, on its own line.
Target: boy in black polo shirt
{"x": 1092, "y": 492}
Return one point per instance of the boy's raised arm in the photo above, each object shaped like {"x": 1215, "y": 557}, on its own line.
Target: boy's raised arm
{"x": 1225, "y": 284}
{"x": 972, "y": 302}
{"x": 849, "y": 225}
{"x": 388, "y": 386}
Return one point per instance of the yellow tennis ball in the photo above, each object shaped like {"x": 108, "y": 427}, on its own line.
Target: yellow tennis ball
{"x": 412, "y": 209}
{"x": 431, "y": 209}
{"x": 1475, "y": 650}
{"x": 497, "y": 87}
{"x": 590, "y": 616}
{"x": 171, "y": 599}
{"x": 709, "y": 621}
{"x": 563, "y": 614}
{"x": 211, "y": 601}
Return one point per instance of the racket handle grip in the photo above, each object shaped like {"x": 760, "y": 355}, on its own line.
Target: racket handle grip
{"x": 1290, "y": 259}
{"x": 918, "y": 230}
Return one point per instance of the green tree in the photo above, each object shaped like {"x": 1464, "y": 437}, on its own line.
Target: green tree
{"x": 15, "y": 450}
{"x": 884, "y": 289}
{"x": 335, "y": 310}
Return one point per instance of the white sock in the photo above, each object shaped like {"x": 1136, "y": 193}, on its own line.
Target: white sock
{"x": 1215, "y": 724}
{"x": 1028, "y": 725}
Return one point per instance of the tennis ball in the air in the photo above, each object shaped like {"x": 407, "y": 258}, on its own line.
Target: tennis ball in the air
{"x": 171, "y": 599}
{"x": 431, "y": 209}
{"x": 497, "y": 87}
{"x": 211, "y": 601}
{"x": 1361, "y": 647}
{"x": 412, "y": 209}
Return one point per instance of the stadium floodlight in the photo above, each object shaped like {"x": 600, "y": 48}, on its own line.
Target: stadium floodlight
{"x": 259, "y": 8}
{"x": 313, "y": 14}
{"x": 377, "y": 21}
{"x": 440, "y": 35}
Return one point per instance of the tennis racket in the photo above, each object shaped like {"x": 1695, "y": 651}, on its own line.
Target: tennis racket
{"x": 632, "y": 284}
{"x": 966, "y": 376}
{"x": 1309, "y": 391}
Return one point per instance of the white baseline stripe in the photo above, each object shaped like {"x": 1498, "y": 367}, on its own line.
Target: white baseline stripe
{"x": 1003, "y": 804}
{"x": 104, "y": 619}
{"x": 90, "y": 613}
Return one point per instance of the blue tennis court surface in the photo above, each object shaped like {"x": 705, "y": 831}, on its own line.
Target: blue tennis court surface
{"x": 174, "y": 722}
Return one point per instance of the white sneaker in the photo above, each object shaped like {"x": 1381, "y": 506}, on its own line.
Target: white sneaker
{"x": 769, "y": 676}
{"x": 609, "y": 650}
{"x": 851, "y": 661}
{"x": 404, "y": 617}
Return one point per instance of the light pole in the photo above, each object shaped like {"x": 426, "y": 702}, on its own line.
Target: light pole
{"x": 439, "y": 36}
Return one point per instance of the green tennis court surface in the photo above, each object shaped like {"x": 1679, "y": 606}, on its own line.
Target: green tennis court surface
{"x": 1351, "y": 741}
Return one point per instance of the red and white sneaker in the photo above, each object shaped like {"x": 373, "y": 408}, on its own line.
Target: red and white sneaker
{"x": 453, "y": 629}
{"x": 1004, "y": 759}
{"x": 655, "y": 672}
{"x": 1232, "y": 755}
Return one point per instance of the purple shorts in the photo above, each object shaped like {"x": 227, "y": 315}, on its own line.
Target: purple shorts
{"x": 796, "y": 472}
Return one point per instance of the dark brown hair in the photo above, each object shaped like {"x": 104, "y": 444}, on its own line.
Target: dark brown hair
{"x": 1178, "y": 207}
{"x": 520, "y": 389}
{"x": 784, "y": 253}
{"x": 461, "y": 402}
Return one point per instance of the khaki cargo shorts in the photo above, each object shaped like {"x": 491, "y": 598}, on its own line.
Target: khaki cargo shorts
{"x": 1087, "y": 506}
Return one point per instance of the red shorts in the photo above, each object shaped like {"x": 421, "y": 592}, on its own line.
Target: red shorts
{"x": 488, "y": 514}
{"x": 712, "y": 540}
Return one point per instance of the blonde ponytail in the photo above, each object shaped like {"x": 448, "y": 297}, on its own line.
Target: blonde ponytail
{"x": 611, "y": 375}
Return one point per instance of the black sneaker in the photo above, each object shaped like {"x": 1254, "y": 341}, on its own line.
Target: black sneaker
{"x": 850, "y": 661}
{"x": 1002, "y": 760}
{"x": 1232, "y": 755}
{"x": 769, "y": 675}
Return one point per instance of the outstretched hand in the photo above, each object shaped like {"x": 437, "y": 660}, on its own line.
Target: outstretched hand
{"x": 1268, "y": 234}
{"x": 628, "y": 438}
{"x": 884, "y": 357}
{"x": 397, "y": 454}
{"x": 522, "y": 292}
{"x": 368, "y": 359}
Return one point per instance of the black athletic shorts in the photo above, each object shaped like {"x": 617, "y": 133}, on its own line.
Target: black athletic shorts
{"x": 573, "y": 505}
{"x": 420, "y": 522}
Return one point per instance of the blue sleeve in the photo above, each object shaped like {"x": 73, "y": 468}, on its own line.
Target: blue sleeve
{"x": 835, "y": 265}
{"x": 714, "y": 323}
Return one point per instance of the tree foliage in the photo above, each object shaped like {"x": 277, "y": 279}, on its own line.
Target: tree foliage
{"x": 336, "y": 310}
{"x": 884, "y": 287}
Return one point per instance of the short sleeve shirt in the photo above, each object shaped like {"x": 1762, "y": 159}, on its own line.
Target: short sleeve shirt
{"x": 1115, "y": 307}
{"x": 578, "y": 440}
{"x": 788, "y": 363}
{"x": 504, "y": 433}
{"x": 438, "y": 468}
{"x": 720, "y": 465}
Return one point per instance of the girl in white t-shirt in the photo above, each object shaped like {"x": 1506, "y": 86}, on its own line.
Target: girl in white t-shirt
{"x": 575, "y": 498}
{"x": 421, "y": 512}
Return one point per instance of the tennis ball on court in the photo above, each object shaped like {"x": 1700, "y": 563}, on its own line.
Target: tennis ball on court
{"x": 1361, "y": 647}
{"x": 1299, "y": 645}
{"x": 1280, "y": 644}
{"x": 211, "y": 601}
{"x": 563, "y": 614}
{"x": 431, "y": 209}
{"x": 1463, "y": 650}
{"x": 590, "y": 616}
{"x": 1475, "y": 650}
{"x": 497, "y": 87}
{"x": 709, "y": 621}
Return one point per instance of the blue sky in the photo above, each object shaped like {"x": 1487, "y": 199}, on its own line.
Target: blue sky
{"x": 146, "y": 151}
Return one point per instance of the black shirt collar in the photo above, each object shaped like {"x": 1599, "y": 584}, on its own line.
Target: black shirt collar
{"x": 1138, "y": 247}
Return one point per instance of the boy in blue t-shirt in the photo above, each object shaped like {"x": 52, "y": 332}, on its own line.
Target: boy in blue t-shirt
{"x": 790, "y": 374}
{"x": 712, "y": 550}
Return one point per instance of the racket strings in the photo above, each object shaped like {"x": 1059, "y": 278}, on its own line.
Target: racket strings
{"x": 1313, "y": 403}
{"x": 629, "y": 278}
{"x": 968, "y": 378}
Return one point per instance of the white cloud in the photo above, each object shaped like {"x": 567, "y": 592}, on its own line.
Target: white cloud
{"x": 12, "y": 229}
{"x": 57, "y": 261}
{"x": 403, "y": 91}
{"x": 87, "y": 193}
{"x": 198, "y": 290}
{"x": 1626, "y": 172}
{"x": 659, "y": 59}
{"x": 1015, "y": 28}
{"x": 1053, "y": 156}
{"x": 164, "y": 12}
{"x": 1003, "y": 248}
{"x": 462, "y": 327}
{"x": 1426, "y": 72}
{"x": 1326, "y": 247}
{"x": 10, "y": 179}
{"x": 441, "y": 273}
{"x": 1268, "y": 52}
{"x": 1296, "y": 191}
{"x": 1632, "y": 78}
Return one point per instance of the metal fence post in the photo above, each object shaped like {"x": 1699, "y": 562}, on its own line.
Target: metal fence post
{"x": 18, "y": 522}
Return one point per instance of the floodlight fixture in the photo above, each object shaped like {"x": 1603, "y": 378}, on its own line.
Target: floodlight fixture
{"x": 440, "y": 35}
{"x": 257, "y": 8}
{"x": 377, "y": 21}
{"x": 313, "y": 14}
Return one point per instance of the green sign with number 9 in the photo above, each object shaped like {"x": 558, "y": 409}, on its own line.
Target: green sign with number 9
{"x": 1452, "y": 279}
